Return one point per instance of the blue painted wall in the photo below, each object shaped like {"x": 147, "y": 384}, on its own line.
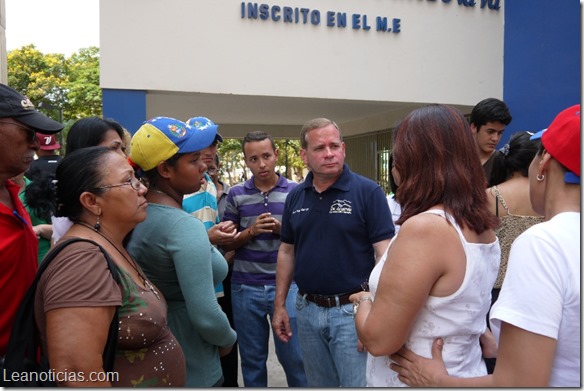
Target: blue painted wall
{"x": 542, "y": 63}
{"x": 128, "y": 107}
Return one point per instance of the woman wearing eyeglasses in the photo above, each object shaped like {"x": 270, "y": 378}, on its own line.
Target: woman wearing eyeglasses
{"x": 173, "y": 247}
{"x": 77, "y": 295}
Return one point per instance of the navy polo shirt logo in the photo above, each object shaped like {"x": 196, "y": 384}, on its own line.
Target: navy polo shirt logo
{"x": 341, "y": 206}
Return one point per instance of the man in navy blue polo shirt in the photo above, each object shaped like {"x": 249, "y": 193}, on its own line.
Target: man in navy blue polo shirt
{"x": 335, "y": 226}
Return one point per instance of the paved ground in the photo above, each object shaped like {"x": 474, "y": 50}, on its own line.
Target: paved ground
{"x": 276, "y": 376}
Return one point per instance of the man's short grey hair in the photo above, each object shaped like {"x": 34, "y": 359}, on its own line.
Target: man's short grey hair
{"x": 316, "y": 123}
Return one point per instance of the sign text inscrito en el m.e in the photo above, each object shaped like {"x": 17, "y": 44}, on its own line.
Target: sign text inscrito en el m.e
{"x": 339, "y": 19}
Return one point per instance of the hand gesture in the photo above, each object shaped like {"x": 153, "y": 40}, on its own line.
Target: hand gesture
{"x": 265, "y": 223}
{"x": 417, "y": 371}
{"x": 222, "y": 234}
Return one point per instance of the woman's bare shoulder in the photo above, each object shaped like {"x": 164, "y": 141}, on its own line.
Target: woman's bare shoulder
{"x": 427, "y": 226}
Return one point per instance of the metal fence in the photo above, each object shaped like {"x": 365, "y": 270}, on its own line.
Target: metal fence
{"x": 368, "y": 155}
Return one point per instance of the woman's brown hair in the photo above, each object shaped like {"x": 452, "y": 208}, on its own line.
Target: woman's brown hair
{"x": 436, "y": 158}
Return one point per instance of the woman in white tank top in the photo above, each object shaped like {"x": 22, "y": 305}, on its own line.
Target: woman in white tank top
{"x": 537, "y": 316}
{"x": 436, "y": 276}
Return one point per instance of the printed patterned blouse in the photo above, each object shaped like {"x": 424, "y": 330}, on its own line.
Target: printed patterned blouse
{"x": 148, "y": 354}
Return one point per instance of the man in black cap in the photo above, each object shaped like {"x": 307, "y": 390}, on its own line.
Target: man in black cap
{"x": 19, "y": 122}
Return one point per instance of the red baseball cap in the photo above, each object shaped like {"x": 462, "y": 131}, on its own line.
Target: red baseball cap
{"x": 562, "y": 140}
{"x": 48, "y": 142}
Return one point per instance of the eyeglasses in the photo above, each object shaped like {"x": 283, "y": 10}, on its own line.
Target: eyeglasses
{"x": 134, "y": 182}
{"x": 212, "y": 171}
{"x": 30, "y": 132}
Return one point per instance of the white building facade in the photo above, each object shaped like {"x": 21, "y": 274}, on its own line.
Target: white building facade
{"x": 364, "y": 64}
{"x": 250, "y": 65}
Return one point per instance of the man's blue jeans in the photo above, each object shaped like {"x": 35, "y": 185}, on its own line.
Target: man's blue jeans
{"x": 251, "y": 306}
{"x": 329, "y": 345}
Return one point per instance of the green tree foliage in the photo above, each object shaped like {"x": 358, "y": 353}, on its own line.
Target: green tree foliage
{"x": 289, "y": 159}
{"x": 64, "y": 88}
{"x": 231, "y": 159}
{"x": 84, "y": 94}
{"x": 41, "y": 77}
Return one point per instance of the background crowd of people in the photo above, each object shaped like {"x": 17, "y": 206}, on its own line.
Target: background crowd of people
{"x": 467, "y": 274}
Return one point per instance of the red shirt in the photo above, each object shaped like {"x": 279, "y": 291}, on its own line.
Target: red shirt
{"x": 18, "y": 261}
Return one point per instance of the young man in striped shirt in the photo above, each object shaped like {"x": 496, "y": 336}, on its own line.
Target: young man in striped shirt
{"x": 256, "y": 207}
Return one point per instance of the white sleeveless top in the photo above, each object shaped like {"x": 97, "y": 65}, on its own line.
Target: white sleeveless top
{"x": 459, "y": 319}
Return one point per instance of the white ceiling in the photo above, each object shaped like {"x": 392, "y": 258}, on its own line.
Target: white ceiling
{"x": 280, "y": 116}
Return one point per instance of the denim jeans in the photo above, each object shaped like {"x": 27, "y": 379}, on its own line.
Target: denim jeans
{"x": 252, "y": 304}
{"x": 328, "y": 339}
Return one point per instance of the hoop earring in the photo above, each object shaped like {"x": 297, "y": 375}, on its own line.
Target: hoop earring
{"x": 97, "y": 225}
{"x": 540, "y": 177}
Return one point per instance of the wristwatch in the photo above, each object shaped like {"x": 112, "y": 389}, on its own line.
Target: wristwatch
{"x": 361, "y": 300}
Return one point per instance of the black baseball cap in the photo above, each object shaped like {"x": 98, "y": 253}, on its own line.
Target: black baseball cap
{"x": 19, "y": 107}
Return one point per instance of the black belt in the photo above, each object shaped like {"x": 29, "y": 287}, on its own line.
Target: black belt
{"x": 329, "y": 301}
